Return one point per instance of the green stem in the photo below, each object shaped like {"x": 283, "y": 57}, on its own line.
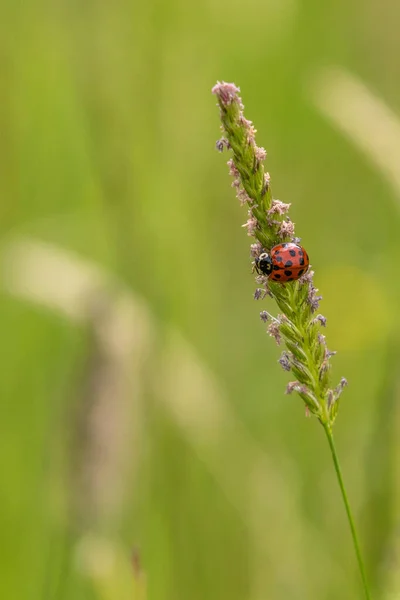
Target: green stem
{"x": 329, "y": 435}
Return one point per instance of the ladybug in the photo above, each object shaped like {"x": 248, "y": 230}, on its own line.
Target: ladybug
{"x": 285, "y": 262}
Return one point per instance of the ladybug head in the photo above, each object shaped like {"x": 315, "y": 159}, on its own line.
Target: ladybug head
{"x": 263, "y": 264}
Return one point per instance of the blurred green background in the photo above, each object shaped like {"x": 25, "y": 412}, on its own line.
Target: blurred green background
{"x": 145, "y": 439}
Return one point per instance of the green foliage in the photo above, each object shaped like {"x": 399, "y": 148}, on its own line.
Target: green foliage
{"x": 106, "y": 153}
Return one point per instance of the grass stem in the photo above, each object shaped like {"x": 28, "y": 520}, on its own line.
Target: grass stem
{"x": 329, "y": 435}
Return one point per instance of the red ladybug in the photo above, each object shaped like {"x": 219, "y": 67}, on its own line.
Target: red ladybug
{"x": 285, "y": 262}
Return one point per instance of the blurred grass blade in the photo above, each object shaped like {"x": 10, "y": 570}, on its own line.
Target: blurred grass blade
{"x": 382, "y": 467}
{"x": 363, "y": 117}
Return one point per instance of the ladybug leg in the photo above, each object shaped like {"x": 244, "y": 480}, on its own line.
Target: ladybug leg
{"x": 256, "y": 268}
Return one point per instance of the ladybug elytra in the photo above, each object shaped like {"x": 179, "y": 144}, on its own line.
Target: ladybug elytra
{"x": 285, "y": 262}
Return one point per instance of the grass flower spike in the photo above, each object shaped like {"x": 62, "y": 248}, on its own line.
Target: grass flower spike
{"x": 298, "y": 325}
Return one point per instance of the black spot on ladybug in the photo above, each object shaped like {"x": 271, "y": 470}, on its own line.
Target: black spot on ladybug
{"x": 277, "y": 276}
{"x": 300, "y": 273}
{"x": 300, "y": 252}
{"x": 301, "y": 261}
{"x": 288, "y": 273}
{"x": 279, "y": 259}
{"x": 290, "y": 279}
{"x": 292, "y": 252}
{"x": 276, "y": 267}
{"x": 288, "y": 263}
